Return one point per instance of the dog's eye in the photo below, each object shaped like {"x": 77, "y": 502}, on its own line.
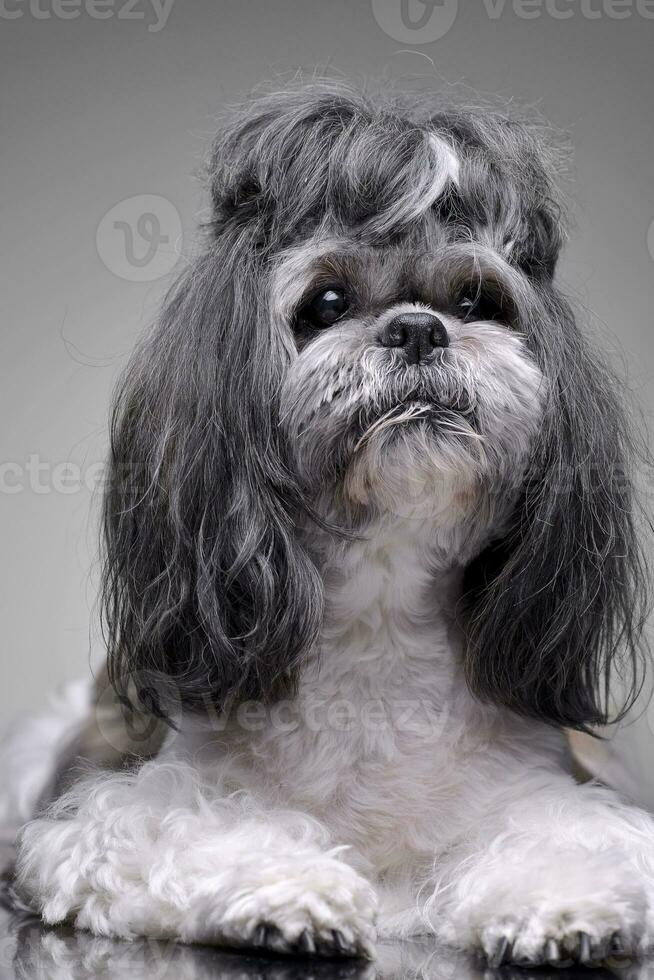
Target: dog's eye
{"x": 325, "y": 308}
{"x": 479, "y": 306}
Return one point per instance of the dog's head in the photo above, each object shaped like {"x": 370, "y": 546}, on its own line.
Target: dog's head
{"x": 371, "y": 329}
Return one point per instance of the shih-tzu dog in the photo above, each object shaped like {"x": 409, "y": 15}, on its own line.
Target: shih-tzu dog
{"x": 370, "y": 550}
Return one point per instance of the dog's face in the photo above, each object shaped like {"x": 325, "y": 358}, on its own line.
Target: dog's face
{"x": 410, "y": 388}
{"x": 372, "y": 328}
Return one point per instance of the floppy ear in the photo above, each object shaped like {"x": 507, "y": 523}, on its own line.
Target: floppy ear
{"x": 204, "y": 581}
{"x": 559, "y": 603}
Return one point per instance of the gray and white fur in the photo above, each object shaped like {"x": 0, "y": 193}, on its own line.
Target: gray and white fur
{"x": 369, "y": 548}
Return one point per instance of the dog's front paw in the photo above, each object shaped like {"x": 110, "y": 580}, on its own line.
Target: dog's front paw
{"x": 321, "y": 908}
{"x": 575, "y": 907}
{"x": 530, "y": 942}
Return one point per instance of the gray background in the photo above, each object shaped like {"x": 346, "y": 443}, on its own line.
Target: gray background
{"x": 96, "y": 111}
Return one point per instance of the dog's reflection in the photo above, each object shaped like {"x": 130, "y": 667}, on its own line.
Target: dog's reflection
{"x": 68, "y": 954}
{"x": 38, "y": 953}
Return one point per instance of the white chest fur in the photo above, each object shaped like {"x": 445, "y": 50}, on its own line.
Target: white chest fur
{"x": 366, "y": 745}
{"x": 383, "y": 743}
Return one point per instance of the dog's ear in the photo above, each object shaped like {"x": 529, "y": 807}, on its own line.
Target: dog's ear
{"x": 207, "y": 593}
{"x": 557, "y": 607}
{"x": 206, "y": 589}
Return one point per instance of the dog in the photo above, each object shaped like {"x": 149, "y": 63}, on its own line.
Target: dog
{"x": 370, "y": 547}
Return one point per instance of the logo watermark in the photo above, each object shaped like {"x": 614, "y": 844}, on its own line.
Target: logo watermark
{"x": 39, "y": 476}
{"x": 426, "y": 21}
{"x": 155, "y": 12}
{"x": 415, "y": 21}
{"x": 129, "y": 720}
{"x": 423, "y": 497}
{"x": 566, "y": 9}
{"x": 139, "y": 239}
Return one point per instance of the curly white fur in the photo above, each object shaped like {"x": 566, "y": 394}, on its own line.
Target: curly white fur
{"x": 383, "y": 800}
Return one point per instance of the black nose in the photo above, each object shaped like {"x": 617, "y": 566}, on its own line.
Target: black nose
{"x": 416, "y": 333}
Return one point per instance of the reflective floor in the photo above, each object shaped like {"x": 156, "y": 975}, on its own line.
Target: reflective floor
{"x": 27, "y": 950}
{"x": 30, "y": 950}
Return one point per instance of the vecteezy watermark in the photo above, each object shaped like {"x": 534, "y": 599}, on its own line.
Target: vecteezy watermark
{"x": 156, "y": 12}
{"x": 42, "y": 477}
{"x": 129, "y": 716}
{"x": 422, "y": 498}
{"x": 425, "y": 21}
{"x": 139, "y": 239}
{"x": 415, "y": 21}
{"x": 565, "y": 9}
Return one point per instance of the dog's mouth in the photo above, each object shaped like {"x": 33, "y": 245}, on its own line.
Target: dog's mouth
{"x": 416, "y": 406}
{"x": 432, "y": 396}
{"x": 438, "y": 416}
